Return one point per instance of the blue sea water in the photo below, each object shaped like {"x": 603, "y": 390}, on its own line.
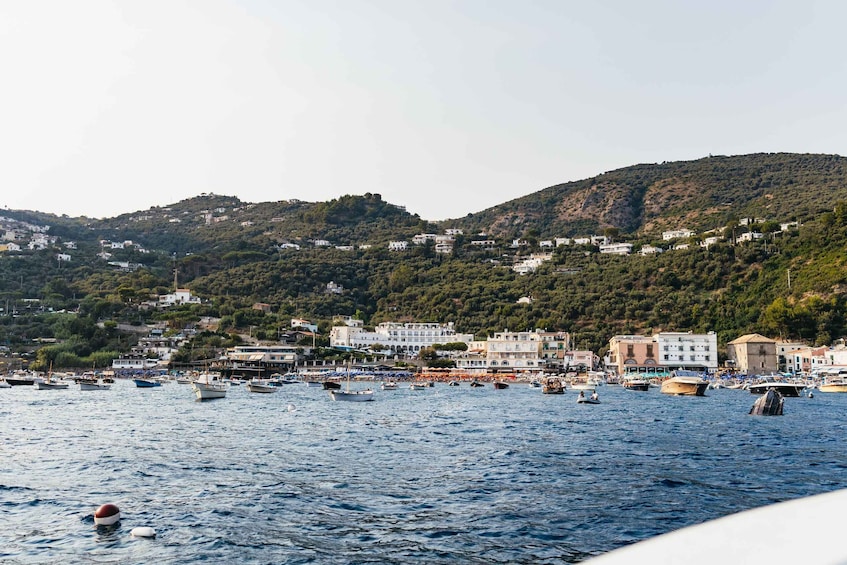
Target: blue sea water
{"x": 443, "y": 475}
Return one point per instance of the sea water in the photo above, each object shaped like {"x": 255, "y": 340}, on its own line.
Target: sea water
{"x": 442, "y": 475}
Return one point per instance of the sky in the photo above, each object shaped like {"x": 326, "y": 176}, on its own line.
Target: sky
{"x": 446, "y": 107}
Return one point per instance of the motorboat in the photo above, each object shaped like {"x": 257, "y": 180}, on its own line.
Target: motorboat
{"x": 785, "y": 388}
{"x": 418, "y": 386}
{"x": 209, "y": 386}
{"x": 500, "y": 385}
{"x": 534, "y": 384}
{"x": 260, "y": 386}
{"x": 553, "y": 385}
{"x": 50, "y": 384}
{"x": 769, "y": 404}
{"x": 389, "y": 385}
{"x": 685, "y": 383}
{"x": 454, "y": 383}
{"x": 835, "y": 385}
{"x": 475, "y": 384}
{"x": 331, "y": 385}
{"x": 21, "y": 378}
{"x": 635, "y": 382}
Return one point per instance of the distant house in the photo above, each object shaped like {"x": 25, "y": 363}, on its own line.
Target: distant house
{"x": 676, "y": 234}
{"x": 181, "y": 296}
{"x": 650, "y": 250}
{"x": 616, "y": 248}
{"x": 398, "y": 245}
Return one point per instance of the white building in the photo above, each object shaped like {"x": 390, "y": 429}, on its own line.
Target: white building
{"x": 686, "y": 350}
{"x": 676, "y": 234}
{"x": 423, "y": 238}
{"x": 530, "y": 264}
{"x": 181, "y": 296}
{"x": 616, "y": 248}
{"x": 650, "y": 250}
{"x": 398, "y": 245}
{"x": 749, "y": 236}
{"x": 407, "y": 338}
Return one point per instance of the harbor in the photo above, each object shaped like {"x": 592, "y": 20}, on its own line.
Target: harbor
{"x": 439, "y": 475}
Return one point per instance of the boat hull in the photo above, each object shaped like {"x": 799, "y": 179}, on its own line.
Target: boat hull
{"x": 637, "y": 385}
{"x": 144, "y": 383}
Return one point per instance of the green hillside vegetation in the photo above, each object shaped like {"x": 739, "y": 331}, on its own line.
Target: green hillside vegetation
{"x": 230, "y": 253}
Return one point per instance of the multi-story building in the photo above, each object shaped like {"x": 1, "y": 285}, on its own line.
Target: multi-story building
{"x": 686, "y": 350}
{"x": 664, "y": 351}
{"x": 407, "y": 338}
{"x": 753, "y": 354}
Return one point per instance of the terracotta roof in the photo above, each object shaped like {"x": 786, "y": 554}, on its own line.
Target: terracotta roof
{"x": 751, "y": 338}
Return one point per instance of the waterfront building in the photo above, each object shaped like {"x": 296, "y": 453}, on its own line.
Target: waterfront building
{"x": 663, "y": 352}
{"x": 515, "y": 351}
{"x": 752, "y": 354}
{"x": 408, "y": 338}
{"x": 632, "y": 353}
{"x": 687, "y": 350}
{"x": 260, "y": 359}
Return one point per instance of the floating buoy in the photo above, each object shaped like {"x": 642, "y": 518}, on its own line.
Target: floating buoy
{"x": 143, "y": 532}
{"x": 107, "y": 515}
{"x": 291, "y": 408}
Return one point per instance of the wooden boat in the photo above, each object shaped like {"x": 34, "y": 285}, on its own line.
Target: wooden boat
{"x": 93, "y": 384}
{"x": 50, "y": 384}
{"x": 685, "y": 383}
{"x": 146, "y": 383}
{"x": 209, "y": 386}
{"x": 769, "y": 404}
{"x": 351, "y": 395}
{"x": 553, "y": 385}
{"x": 264, "y": 387}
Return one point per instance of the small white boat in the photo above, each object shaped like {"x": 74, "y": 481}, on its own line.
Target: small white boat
{"x": 352, "y": 395}
{"x": 390, "y": 385}
{"x": 582, "y": 399}
{"x": 260, "y": 386}
{"x": 209, "y": 386}
{"x": 4, "y": 384}
{"x": 418, "y": 386}
{"x": 93, "y": 384}
{"x": 50, "y": 384}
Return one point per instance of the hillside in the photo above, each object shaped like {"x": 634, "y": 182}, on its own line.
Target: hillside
{"x": 235, "y": 254}
{"x": 702, "y": 194}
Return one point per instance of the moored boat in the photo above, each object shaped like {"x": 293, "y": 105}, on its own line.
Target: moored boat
{"x": 93, "y": 384}
{"x": 836, "y": 385}
{"x": 685, "y": 383}
{"x": 390, "y": 385}
{"x": 500, "y": 385}
{"x": 146, "y": 383}
{"x": 21, "y": 378}
{"x": 256, "y": 385}
{"x": 769, "y": 404}
{"x": 209, "y": 386}
{"x": 634, "y": 382}
{"x": 352, "y": 395}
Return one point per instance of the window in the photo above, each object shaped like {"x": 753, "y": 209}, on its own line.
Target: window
{"x": 630, "y": 350}
{"x": 649, "y": 350}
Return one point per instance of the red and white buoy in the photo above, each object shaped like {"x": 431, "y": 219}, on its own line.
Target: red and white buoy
{"x": 107, "y": 515}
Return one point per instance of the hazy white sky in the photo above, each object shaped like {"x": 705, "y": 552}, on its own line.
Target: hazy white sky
{"x": 444, "y": 106}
